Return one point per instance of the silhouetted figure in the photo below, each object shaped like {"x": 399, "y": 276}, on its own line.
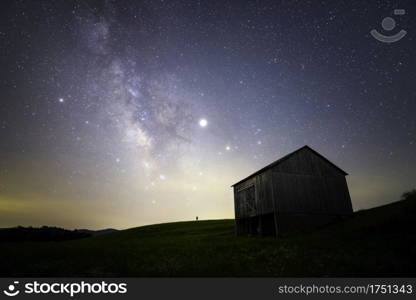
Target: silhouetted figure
{"x": 197, "y": 218}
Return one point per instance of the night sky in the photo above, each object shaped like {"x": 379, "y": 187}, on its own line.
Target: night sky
{"x": 124, "y": 113}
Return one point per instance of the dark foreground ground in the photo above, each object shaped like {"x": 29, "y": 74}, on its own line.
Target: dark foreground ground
{"x": 376, "y": 242}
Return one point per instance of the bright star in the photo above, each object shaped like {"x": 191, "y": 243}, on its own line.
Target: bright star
{"x": 203, "y": 123}
{"x": 61, "y": 100}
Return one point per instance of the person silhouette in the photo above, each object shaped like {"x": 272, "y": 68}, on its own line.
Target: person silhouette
{"x": 197, "y": 218}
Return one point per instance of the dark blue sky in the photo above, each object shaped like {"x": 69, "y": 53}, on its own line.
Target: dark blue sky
{"x": 101, "y": 103}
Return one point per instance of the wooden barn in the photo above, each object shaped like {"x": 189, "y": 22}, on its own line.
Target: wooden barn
{"x": 302, "y": 190}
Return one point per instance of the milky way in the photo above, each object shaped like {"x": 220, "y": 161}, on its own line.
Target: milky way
{"x": 123, "y": 113}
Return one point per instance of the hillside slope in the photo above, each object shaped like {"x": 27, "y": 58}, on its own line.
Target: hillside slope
{"x": 375, "y": 242}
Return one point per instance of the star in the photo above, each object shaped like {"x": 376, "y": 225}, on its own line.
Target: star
{"x": 203, "y": 123}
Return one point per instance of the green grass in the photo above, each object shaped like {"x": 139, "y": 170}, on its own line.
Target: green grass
{"x": 376, "y": 242}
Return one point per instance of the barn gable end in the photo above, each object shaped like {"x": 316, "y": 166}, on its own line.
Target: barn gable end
{"x": 308, "y": 162}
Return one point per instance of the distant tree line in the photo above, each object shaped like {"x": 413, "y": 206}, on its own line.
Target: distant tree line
{"x": 409, "y": 195}
{"x": 41, "y": 234}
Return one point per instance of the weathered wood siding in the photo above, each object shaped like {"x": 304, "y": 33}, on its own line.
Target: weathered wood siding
{"x": 240, "y": 198}
{"x": 263, "y": 196}
{"x": 298, "y": 193}
{"x": 307, "y": 162}
{"x": 306, "y": 183}
{"x": 264, "y": 192}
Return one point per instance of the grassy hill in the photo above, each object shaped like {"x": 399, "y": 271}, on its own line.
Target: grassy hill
{"x": 375, "y": 242}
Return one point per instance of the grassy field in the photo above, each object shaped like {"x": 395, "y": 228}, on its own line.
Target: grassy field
{"x": 375, "y": 242}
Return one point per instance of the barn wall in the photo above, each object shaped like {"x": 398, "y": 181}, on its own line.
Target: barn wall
{"x": 296, "y": 193}
{"x": 258, "y": 218}
{"x": 240, "y": 199}
{"x": 264, "y": 193}
{"x": 306, "y": 183}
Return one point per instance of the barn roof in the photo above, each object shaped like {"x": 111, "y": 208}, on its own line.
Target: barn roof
{"x": 288, "y": 156}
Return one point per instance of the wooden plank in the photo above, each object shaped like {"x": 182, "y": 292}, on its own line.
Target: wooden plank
{"x": 274, "y": 207}
{"x": 311, "y": 194}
